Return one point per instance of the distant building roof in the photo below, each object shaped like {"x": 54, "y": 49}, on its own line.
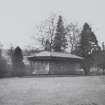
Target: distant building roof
{"x": 47, "y": 55}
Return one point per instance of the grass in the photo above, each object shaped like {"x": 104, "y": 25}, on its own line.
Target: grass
{"x": 89, "y": 90}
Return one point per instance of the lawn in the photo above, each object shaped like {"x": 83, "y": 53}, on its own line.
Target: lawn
{"x": 89, "y": 90}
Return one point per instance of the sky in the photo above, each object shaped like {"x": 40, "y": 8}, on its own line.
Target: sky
{"x": 18, "y": 18}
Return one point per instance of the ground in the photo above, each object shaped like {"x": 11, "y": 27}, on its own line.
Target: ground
{"x": 85, "y": 90}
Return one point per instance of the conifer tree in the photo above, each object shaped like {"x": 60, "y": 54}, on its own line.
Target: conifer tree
{"x": 87, "y": 45}
{"x": 60, "y": 42}
{"x": 18, "y": 65}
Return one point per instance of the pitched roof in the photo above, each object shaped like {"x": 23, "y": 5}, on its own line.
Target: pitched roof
{"x": 55, "y": 54}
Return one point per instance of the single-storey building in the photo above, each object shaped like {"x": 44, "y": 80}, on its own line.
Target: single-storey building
{"x": 55, "y": 63}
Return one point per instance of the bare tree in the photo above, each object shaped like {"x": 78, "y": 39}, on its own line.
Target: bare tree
{"x": 46, "y": 31}
{"x": 73, "y": 33}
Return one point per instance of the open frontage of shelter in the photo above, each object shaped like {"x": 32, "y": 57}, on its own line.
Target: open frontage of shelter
{"x": 55, "y": 63}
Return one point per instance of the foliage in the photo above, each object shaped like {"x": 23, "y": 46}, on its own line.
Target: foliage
{"x": 87, "y": 45}
{"x": 18, "y": 65}
{"x": 99, "y": 58}
{"x": 10, "y": 53}
{"x": 73, "y": 36}
{"x": 60, "y": 41}
{"x": 88, "y": 41}
{"x": 46, "y": 31}
{"x": 47, "y": 46}
{"x": 3, "y": 66}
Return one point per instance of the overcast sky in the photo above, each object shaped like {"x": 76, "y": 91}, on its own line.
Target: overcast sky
{"x": 19, "y": 17}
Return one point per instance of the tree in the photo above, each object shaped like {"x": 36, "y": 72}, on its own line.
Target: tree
{"x": 47, "y": 46}
{"x": 60, "y": 41}
{"x": 88, "y": 41}
{"x": 3, "y": 65}
{"x": 46, "y": 32}
{"x": 101, "y": 58}
{"x": 10, "y": 53}
{"x": 87, "y": 45}
{"x": 73, "y": 36}
{"x": 18, "y": 65}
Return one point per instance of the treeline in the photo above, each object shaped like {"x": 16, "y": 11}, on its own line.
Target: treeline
{"x": 55, "y": 35}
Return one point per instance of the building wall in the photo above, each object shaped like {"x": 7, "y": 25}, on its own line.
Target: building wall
{"x": 40, "y": 67}
{"x": 55, "y": 67}
{"x": 61, "y": 67}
